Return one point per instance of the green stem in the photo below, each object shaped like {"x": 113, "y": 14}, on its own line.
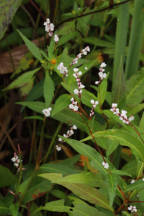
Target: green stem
{"x": 52, "y": 142}
{"x": 40, "y": 145}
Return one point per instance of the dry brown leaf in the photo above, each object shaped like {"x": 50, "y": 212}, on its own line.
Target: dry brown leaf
{"x": 10, "y": 60}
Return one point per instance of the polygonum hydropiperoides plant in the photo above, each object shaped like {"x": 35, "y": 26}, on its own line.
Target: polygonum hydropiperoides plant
{"x": 110, "y": 143}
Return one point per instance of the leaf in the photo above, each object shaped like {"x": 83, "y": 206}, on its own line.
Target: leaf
{"x": 137, "y": 185}
{"x": 85, "y": 192}
{"x": 65, "y": 38}
{"x": 48, "y": 89}
{"x": 120, "y": 51}
{"x": 31, "y": 46}
{"x": 82, "y": 208}
{"x": 6, "y": 177}
{"x": 7, "y": 12}
{"x": 22, "y": 79}
{"x": 136, "y": 38}
{"x": 124, "y": 138}
{"x": 37, "y": 188}
{"x": 36, "y": 92}
{"x": 65, "y": 167}
{"x": 98, "y": 42}
{"x": 33, "y": 105}
{"x": 69, "y": 117}
{"x": 61, "y": 103}
{"x": 56, "y": 206}
{"x": 88, "y": 151}
{"x": 135, "y": 90}
{"x": 102, "y": 90}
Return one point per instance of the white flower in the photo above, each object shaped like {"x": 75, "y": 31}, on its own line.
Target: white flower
{"x": 86, "y": 68}
{"x": 60, "y": 139}
{"x": 56, "y": 38}
{"x": 92, "y": 101}
{"x": 49, "y": 27}
{"x": 97, "y": 82}
{"x": 103, "y": 64}
{"x": 131, "y": 118}
{"x": 74, "y": 127}
{"x": 75, "y": 69}
{"x": 58, "y": 148}
{"x": 132, "y": 181}
{"x": 47, "y": 111}
{"x": 132, "y": 208}
{"x": 62, "y": 69}
{"x": 105, "y": 165}
{"x": 142, "y": 179}
{"x": 75, "y": 108}
{"x": 114, "y": 105}
{"x": 76, "y": 91}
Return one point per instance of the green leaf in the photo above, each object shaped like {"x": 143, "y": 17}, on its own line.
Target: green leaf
{"x": 22, "y": 79}
{"x": 82, "y": 208}
{"x": 65, "y": 167}
{"x": 7, "y": 12}
{"x": 6, "y": 177}
{"x": 84, "y": 191}
{"x": 142, "y": 122}
{"x": 65, "y": 38}
{"x": 88, "y": 151}
{"x": 137, "y": 185}
{"x": 48, "y": 89}
{"x": 33, "y": 105}
{"x": 98, "y": 42}
{"x": 56, "y": 206}
{"x": 136, "y": 38}
{"x": 120, "y": 51}
{"x": 37, "y": 186}
{"x": 31, "y": 46}
{"x": 69, "y": 117}
{"x": 102, "y": 90}
{"x": 61, "y": 103}
{"x": 135, "y": 90}
{"x": 124, "y": 138}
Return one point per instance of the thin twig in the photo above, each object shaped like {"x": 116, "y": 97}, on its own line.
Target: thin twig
{"x": 93, "y": 12}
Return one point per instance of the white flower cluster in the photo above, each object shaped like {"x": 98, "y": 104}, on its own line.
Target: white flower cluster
{"x": 63, "y": 70}
{"x": 69, "y": 133}
{"x": 94, "y": 104}
{"x": 101, "y": 73}
{"x": 74, "y": 105}
{"x": 47, "y": 111}
{"x": 56, "y": 38}
{"x": 77, "y": 75}
{"x": 105, "y": 165}
{"x": 49, "y": 27}
{"x": 122, "y": 115}
{"x": 132, "y": 209}
{"x": 16, "y": 160}
{"x": 58, "y": 148}
{"x": 83, "y": 52}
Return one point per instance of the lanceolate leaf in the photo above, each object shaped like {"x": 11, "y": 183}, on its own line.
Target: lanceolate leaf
{"x": 22, "y": 80}
{"x": 88, "y": 151}
{"x": 31, "y": 46}
{"x": 61, "y": 103}
{"x": 33, "y": 105}
{"x": 48, "y": 89}
{"x": 84, "y": 191}
{"x": 124, "y": 138}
